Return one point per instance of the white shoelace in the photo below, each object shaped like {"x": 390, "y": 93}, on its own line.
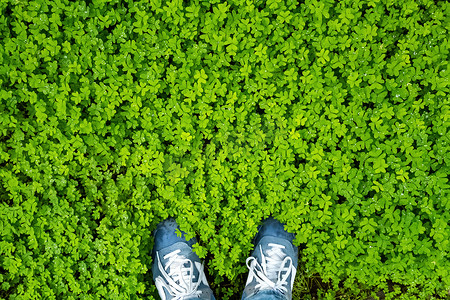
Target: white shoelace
{"x": 272, "y": 273}
{"x": 180, "y": 279}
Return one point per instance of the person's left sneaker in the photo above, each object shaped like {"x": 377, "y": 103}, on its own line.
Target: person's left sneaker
{"x": 177, "y": 270}
{"x": 273, "y": 263}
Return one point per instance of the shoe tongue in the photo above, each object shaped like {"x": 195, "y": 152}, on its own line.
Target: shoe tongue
{"x": 272, "y": 274}
{"x": 183, "y": 271}
{"x": 274, "y": 264}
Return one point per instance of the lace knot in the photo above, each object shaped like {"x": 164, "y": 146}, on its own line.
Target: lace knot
{"x": 274, "y": 270}
{"x": 179, "y": 276}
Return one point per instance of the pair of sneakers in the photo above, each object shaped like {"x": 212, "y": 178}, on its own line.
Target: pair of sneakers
{"x": 179, "y": 273}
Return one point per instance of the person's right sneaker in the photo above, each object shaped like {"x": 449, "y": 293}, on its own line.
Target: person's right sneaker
{"x": 273, "y": 263}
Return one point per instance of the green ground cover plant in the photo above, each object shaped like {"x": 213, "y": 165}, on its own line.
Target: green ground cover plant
{"x": 332, "y": 116}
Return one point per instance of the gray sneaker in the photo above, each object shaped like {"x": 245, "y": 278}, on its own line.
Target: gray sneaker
{"x": 273, "y": 263}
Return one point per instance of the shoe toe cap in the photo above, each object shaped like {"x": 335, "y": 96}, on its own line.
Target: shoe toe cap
{"x": 165, "y": 235}
{"x": 273, "y": 227}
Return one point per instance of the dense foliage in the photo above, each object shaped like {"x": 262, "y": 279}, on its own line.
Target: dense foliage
{"x": 332, "y": 116}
